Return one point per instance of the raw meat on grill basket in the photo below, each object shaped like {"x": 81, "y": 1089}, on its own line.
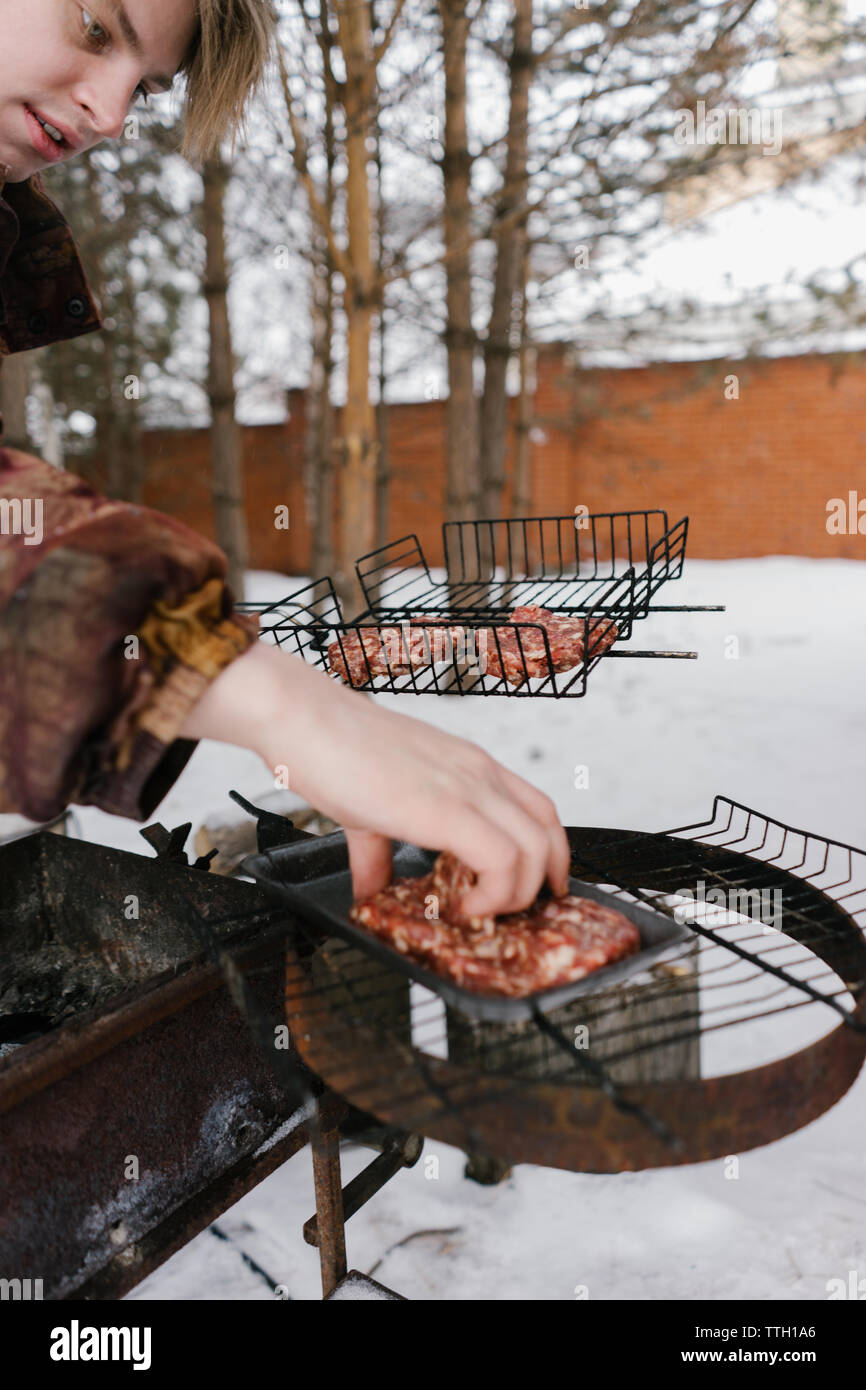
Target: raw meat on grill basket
{"x": 522, "y": 650}
{"x": 516, "y": 954}
{"x": 378, "y": 651}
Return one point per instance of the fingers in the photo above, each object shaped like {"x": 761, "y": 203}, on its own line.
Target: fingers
{"x": 495, "y": 859}
{"x": 370, "y": 860}
{"x": 511, "y": 851}
{"x": 558, "y": 863}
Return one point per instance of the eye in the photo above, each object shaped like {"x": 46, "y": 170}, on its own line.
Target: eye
{"x": 95, "y": 32}
{"x": 98, "y": 37}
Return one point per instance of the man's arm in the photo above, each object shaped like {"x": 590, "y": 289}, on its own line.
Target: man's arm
{"x": 383, "y": 775}
{"x": 119, "y": 645}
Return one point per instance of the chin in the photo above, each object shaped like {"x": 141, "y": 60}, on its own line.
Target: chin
{"x": 18, "y": 170}
{"x": 15, "y": 175}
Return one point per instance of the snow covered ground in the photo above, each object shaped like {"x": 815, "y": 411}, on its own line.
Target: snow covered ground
{"x": 782, "y": 727}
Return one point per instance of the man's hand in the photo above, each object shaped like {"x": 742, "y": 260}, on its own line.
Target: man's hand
{"x": 386, "y": 776}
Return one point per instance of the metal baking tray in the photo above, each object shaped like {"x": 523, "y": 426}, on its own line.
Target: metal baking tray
{"x": 312, "y": 877}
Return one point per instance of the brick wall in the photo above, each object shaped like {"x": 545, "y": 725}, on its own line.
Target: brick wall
{"x": 754, "y": 473}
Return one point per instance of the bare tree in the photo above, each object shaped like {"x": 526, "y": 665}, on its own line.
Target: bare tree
{"x": 135, "y": 246}
{"x": 14, "y": 387}
{"x": 226, "y": 448}
{"x": 362, "y": 291}
{"x": 508, "y": 233}
{"x": 319, "y": 478}
{"x": 463, "y": 483}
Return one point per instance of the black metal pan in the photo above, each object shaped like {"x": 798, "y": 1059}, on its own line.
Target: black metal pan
{"x": 312, "y": 877}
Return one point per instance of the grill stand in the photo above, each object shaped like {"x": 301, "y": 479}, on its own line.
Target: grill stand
{"x": 335, "y": 1204}
{"x": 170, "y": 1063}
{"x": 331, "y": 1232}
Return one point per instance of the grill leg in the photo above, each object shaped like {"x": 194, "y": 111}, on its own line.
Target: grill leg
{"x": 329, "y": 1207}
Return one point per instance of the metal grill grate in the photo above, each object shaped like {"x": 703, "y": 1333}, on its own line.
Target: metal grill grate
{"x": 753, "y": 987}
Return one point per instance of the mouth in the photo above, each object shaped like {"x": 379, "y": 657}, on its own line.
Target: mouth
{"x": 48, "y": 139}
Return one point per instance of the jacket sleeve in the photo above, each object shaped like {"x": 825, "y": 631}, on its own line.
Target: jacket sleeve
{"x": 113, "y": 621}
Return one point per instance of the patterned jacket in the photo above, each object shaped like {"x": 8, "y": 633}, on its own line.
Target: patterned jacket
{"x": 113, "y": 618}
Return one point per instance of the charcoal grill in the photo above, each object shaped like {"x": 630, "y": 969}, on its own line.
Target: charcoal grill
{"x": 119, "y": 1041}
{"x": 634, "y": 1076}
{"x": 606, "y": 566}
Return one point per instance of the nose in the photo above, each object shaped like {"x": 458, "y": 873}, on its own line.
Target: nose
{"x": 106, "y": 105}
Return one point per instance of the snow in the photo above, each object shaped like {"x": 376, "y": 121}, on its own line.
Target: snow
{"x": 306, "y": 1111}
{"x": 780, "y": 727}
{"x": 356, "y": 1287}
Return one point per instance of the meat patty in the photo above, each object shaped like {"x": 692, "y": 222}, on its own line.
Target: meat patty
{"x": 361, "y": 654}
{"x": 519, "y": 653}
{"x": 515, "y": 653}
{"x": 515, "y": 954}
{"x": 364, "y": 653}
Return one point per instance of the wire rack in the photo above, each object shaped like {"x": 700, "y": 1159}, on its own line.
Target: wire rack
{"x": 722, "y": 1045}
{"x": 438, "y": 656}
{"x": 567, "y": 564}
{"x": 421, "y": 636}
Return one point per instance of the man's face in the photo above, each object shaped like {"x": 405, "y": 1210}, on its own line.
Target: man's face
{"x": 79, "y": 67}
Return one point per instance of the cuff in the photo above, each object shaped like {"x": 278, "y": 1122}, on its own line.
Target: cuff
{"x": 182, "y": 648}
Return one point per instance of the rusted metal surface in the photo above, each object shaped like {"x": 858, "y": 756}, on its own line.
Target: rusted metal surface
{"x": 84, "y": 1039}
{"x": 141, "y": 1258}
{"x": 80, "y": 924}
{"x": 95, "y": 1159}
{"x": 148, "y": 1097}
{"x": 403, "y": 1151}
{"x": 150, "y": 1103}
{"x": 573, "y": 1126}
{"x": 329, "y": 1204}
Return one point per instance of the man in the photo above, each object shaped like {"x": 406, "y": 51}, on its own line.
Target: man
{"x": 85, "y": 714}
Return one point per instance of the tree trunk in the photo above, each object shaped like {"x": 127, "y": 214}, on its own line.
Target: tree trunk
{"x": 644, "y": 1017}
{"x": 319, "y": 442}
{"x": 382, "y": 460}
{"x": 133, "y": 451}
{"x": 108, "y": 430}
{"x": 51, "y": 441}
{"x": 497, "y": 347}
{"x": 227, "y": 463}
{"x": 357, "y": 530}
{"x": 461, "y": 411}
{"x": 521, "y": 497}
{"x": 320, "y": 409}
{"x": 14, "y": 386}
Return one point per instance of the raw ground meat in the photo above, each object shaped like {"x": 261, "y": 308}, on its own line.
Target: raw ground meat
{"x": 519, "y": 653}
{"x": 519, "y": 953}
{"x": 376, "y": 651}
{"x": 515, "y": 653}
{"x": 360, "y": 655}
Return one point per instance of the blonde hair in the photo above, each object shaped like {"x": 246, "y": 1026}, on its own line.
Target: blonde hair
{"x": 223, "y": 69}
